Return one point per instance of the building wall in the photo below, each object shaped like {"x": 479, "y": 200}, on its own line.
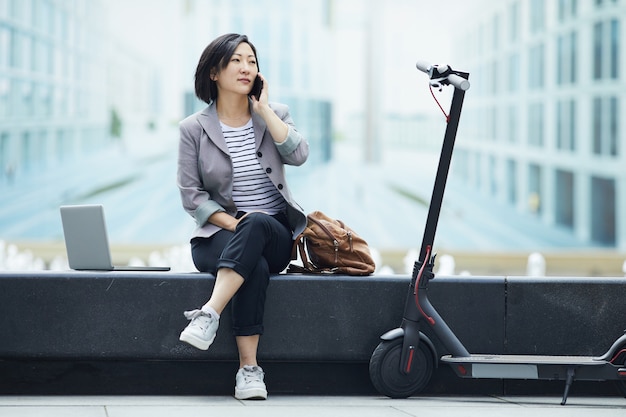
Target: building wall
{"x": 61, "y": 76}
{"x": 542, "y": 126}
{"x": 48, "y": 94}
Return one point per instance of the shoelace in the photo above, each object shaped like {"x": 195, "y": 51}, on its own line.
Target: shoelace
{"x": 252, "y": 374}
{"x": 193, "y": 315}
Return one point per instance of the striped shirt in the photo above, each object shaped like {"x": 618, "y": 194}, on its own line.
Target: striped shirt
{"x": 252, "y": 188}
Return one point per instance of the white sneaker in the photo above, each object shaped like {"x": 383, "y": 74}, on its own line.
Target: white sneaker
{"x": 249, "y": 383}
{"x": 200, "y": 333}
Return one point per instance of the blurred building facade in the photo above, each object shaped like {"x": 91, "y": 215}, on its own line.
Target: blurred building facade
{"x": 543, "y": 130}
{"x": 51, "y": 92}
{"x": 66, "y": 86}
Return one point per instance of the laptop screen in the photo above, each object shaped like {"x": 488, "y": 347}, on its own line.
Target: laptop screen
{"x": 86, "y": 240}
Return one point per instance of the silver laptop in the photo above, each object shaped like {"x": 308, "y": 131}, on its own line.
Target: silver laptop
{"x": 86, "y": 240}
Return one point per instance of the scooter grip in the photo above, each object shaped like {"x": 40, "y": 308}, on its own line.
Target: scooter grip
{"x": 423, "y": 66}
{"x": 459, "y": 82}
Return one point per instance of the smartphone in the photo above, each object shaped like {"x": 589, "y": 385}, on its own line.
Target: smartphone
{"x": 256, "y": 88}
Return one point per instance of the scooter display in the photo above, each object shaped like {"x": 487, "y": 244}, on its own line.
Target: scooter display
{"x": 404, "y": 361}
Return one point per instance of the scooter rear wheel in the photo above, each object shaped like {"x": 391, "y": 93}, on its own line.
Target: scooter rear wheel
{"x": 385, "y": 369}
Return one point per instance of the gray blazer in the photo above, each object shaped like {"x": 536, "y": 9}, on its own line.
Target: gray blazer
{"x": 205, "y": 172}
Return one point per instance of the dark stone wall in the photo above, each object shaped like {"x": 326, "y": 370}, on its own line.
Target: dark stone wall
{"x": 117, "y": 332}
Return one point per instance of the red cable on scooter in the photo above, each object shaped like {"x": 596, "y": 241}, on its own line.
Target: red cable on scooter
{"x": 417, "y": 280}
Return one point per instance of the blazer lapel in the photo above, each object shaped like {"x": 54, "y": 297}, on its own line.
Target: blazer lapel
{"x": 211, "y": 125}
{"x": 259, "y": 128}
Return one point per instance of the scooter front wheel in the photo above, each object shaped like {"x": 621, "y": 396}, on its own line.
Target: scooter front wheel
{"x": 385, "y": 371}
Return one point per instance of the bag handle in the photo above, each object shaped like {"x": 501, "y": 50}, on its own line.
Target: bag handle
{"x": 307, "y": 267}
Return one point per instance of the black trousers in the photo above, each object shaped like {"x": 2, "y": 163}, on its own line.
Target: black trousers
{"x": 261, "y": 245}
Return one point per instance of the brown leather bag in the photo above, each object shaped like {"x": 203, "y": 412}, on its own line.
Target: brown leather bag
{"x": 332, "y": 247}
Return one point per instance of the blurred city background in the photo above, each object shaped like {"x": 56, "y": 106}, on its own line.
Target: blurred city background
{"x": 91, "y": 93}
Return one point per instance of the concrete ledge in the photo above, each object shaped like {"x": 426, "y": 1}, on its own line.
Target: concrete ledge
{"x": 556, "y": 316}
{"x": 108, "y": 318}
{"x": 130, "y": 315}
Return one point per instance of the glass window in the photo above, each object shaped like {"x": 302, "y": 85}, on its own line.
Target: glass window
{"x": 603, "y": 213}
{"x": 566, "y": 58}
{"x": 613, "y": 127}
{"x": 495, "y": 70}
{"x": 597, "y": 125}
{"x": 27, "y": 53}
{"x": 606, "y": 49}
{"x": 614, "y": 49}
{"x": 514, "y": 72}
{"x": 514, "y": 17}
{"x": 564, "y": 199}
{"x": 493, "y": 175}
{"x": 14, "y": 48}
{"x": 534, "y": 188}
{"x": 536, "y": 66}
{"x": 513, "y": 124}
{"x": 5, "y": 46}
{"x": 16, "y": 9}
{"x": 4, "y": 97}
{"x": 27, "y": 107}
{"x": 536, "y": 124}
{"x": 567, "y": 9}
{"x": 26, "y": 142}
{"x": 566, "y": 130}
{"x": 537, "y": 16}
{"x": 597, "y": 51}
{"x": 496, "y": 32}
{"x": 560, "y": 54}
{"x": 606, "y": 126}
{"x": 511, "y": 175}
{"x": 4, "y": 154}
{"x": 573, "y": 57}
{"x": 493, "y": 115}
{"x": 4, "y": 7}
{"x": 572, "y": 113}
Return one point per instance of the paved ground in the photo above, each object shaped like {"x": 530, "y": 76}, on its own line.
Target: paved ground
{"x": 278, "y": 406}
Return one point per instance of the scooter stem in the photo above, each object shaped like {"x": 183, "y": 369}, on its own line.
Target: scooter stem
{"x": 442, "y": 170}
{"x": 417, "y": 306}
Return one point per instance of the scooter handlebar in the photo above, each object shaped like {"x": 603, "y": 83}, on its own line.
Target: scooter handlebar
{"x": 459, "y": 82}
{"x": 452, "y": 78}
{"x": 423, "y": 66}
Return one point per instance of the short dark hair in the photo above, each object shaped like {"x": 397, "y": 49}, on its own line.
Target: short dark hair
{"x": 215, "y": 58}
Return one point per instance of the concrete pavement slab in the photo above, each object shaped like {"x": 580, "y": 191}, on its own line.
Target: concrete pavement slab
{"x": 305, "y": 406}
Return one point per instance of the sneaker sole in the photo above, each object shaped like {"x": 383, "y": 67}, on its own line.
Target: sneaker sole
{"x": 251, "y": 394}
{"x": 195, "y": 342}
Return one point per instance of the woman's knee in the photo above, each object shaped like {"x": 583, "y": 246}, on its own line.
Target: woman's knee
{"x": 205, "y": 252}
{"x": 255, "y": 220}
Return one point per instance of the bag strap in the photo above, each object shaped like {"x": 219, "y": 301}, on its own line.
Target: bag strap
{"x": 298, "y": 248}
{"x": 307, "y": 266}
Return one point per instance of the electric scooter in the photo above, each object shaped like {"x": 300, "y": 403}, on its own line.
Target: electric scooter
{"x": 404, "y": 361}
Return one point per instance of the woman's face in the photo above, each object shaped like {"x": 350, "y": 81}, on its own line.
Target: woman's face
{"x": 239, "y": 74}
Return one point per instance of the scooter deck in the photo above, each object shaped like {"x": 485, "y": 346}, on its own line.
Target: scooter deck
{"x": 531, "y": 367}
{"x": 524, "y": 359}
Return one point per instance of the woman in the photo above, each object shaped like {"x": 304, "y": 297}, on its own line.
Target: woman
{"x": 232, "y": 181}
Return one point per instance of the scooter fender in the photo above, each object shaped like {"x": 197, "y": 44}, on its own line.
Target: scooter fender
{"x": 399, "y": 333}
